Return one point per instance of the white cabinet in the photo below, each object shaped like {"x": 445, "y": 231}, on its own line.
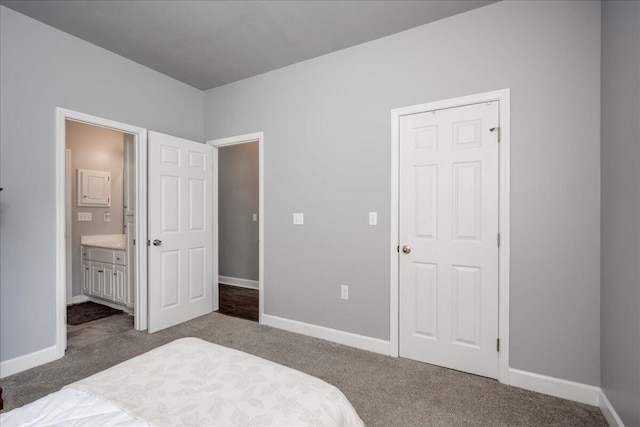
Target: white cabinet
{"x": 96, "y": 279}
{"x": 104, "y": 274}
{"x": 107, "y": 282}
{"x": 120, "y": 284}
{"x": 130, "y": 233}
{"x": 94, "y": 188}
{"x": 86, "y": 277}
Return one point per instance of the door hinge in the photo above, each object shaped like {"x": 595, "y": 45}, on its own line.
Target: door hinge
{"x": 498, "y": 130}
{"x": 134, "y": 242}
{"x": 498, "y": 239}
{"x": 498, "y": 344}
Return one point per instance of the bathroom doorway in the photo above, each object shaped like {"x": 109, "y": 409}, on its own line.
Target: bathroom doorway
{"x": 103, "y": 191}
{"x": 100, "y": 217}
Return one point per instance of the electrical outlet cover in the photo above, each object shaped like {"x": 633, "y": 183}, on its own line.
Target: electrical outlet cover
{"x": 373, "y": 218}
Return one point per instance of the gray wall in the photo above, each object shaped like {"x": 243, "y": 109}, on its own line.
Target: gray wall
{"x": 327, "y": 142}
{"x": 102, "y": 149}
{"x": 327, "y": 155}
{"x": 238, "y": 199}
{"x": 43, "y": 68}
{"x": 620, "y": 151}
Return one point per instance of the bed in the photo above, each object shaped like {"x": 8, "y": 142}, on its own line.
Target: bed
{"x": 191, "y": 382}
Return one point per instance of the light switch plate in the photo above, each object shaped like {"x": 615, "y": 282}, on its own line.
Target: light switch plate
{"x": 84, "y": 216}
{"x": 373, "y": 218}
{"x": 298, "y": 218}
{"x": 255, "y": 217}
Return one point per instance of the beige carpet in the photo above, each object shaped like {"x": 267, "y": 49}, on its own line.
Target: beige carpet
{"x": 384, "y": 390}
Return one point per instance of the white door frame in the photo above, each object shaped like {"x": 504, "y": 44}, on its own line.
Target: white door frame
{"x": 68, "y": 226}
{"x": 503, "y": 226}
{"x": 140, "y": 141}
{"x": 225, "y": 142}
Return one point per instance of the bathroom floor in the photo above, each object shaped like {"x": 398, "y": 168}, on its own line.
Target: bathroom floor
{"x": 78, "y": 314}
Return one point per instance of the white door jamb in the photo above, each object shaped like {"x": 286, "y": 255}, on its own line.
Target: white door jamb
{"x": 503, "y": 96}
{"x": 224, "y": 142}
{"x": 68, "y": 229}
{"x": 140, "y": 140}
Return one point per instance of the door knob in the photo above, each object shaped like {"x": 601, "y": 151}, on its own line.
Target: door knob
{"x": 406, "y": 249}
{"x": 157, "y": 242}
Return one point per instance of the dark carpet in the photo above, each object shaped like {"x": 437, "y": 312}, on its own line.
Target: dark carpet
{"x": 385, "y": 391}
{"x": 239, "y": 302}
{"x": 78, "y": 314}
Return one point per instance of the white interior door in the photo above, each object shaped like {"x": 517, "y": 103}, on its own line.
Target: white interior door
{"x": 180, "y": 230}
{"x": 448, "y": 232}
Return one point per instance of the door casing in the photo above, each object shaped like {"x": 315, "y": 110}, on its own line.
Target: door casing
{"x": 503, "y": 96}
{"x": 225, "y": 142}
{"x": 140, "y": 141}
{"x": 68, "y": 226}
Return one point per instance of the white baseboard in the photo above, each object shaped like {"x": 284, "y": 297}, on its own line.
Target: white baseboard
{"x": 609, "y": 412}
{"x": 78, "y": 299}
{"x": 557, "y": 387}
{"x": 346, "y": 338}
{"x": 28, "y": 361}
{"x": 235, "y": 281}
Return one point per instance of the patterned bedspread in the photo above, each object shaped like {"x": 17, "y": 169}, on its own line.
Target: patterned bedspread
{"x": 191, "y": 382}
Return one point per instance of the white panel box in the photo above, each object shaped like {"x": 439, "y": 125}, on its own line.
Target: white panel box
{"x": 94, "y": 188}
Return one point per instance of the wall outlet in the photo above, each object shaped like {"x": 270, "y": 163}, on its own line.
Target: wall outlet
{"x": 298, "y": 218}
{"x": 255, "y": 217}
{"x": 344, "y": 292}
{"x": 107, "y": 216}
{"x": 373, "y": 218}
{"x": 84, "y": 216}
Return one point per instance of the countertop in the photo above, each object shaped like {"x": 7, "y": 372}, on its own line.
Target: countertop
{"x": 107, "y": 241}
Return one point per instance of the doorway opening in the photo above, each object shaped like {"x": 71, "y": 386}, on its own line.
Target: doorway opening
{"x": 238, "y": 225}
{"x": 101, "y": 215}
{"x": 450, "y": 233}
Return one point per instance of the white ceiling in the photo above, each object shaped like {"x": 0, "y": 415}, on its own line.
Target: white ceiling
{"x": 211, "y": 43}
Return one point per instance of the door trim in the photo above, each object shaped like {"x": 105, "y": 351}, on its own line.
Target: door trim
{"x": 140, "y": 141}
{"x": 225, "y": 142}
{"x": 503, "y": 96}
{"x": 68, "y": 226}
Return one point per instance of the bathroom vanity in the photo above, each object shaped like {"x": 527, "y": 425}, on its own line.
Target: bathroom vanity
{"x": 104, "y": 269}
